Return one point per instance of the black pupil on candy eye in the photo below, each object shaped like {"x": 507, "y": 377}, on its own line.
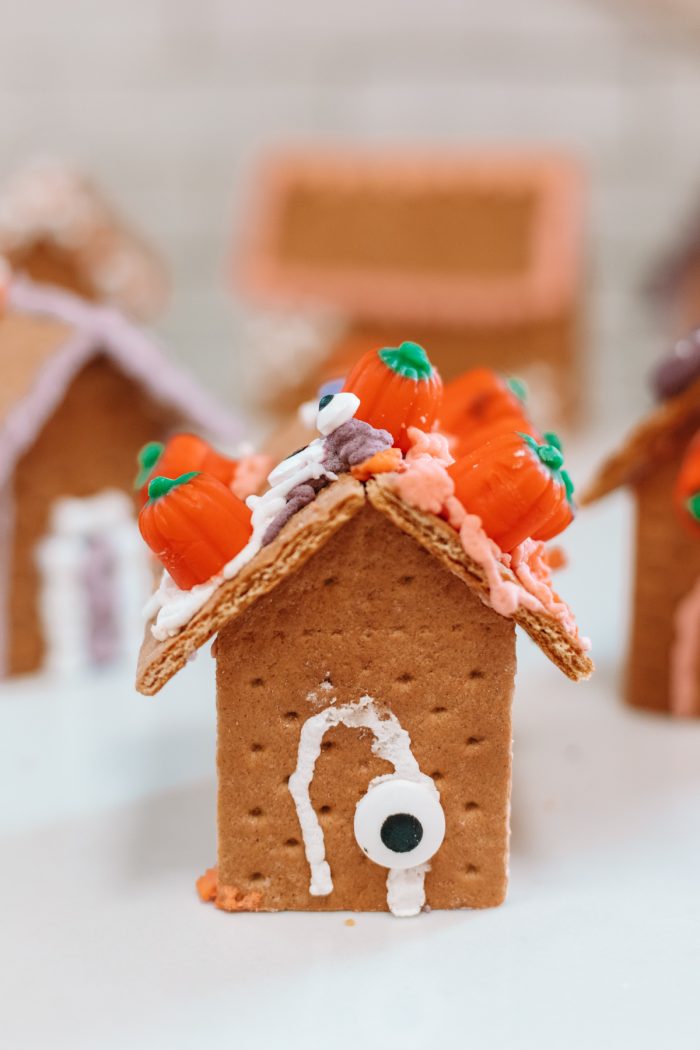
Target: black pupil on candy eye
{"x": 401, "y": 832}
{"x": 325, "y": 400}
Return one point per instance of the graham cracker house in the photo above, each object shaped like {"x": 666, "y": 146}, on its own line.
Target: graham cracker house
{"x": 82, "y": 390}
{"x": 478, "y": 255}
{"x": 663, "y": 661}
{"x": 365, "y": 664}
{"x": 57, "y": 229}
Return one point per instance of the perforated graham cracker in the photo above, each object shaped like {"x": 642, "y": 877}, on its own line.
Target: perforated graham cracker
{"x": 443, "y": 542}
{"x": 370, "y": 613}
{"x": 298, "y": 540}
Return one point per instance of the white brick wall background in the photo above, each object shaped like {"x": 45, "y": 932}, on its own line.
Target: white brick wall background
{"x": 168, "y": 102}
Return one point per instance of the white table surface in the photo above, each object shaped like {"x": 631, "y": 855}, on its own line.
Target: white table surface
{"x": 107, "y": 816}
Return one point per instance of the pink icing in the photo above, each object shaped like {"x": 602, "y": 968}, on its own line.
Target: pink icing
{"x": 425, "y": 484}
{"x": 251, "y": 472}
{"x": 685, "y": 654}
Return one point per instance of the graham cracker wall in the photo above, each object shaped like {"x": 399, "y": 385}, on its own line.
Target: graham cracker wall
{"x": 371, "y": 613}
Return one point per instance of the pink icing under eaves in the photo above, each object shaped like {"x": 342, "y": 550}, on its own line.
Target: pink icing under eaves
{"x": 425, "y": 484}
{"x": 685, "y": 656}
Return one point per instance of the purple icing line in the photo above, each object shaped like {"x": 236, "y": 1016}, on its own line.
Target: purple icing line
{"x": 98, "y": 577}
{"x": 352, "y": 443}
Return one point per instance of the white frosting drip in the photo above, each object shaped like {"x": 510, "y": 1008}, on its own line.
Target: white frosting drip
{"x": 61, "y": 557}
{"x": 405, "y": 889}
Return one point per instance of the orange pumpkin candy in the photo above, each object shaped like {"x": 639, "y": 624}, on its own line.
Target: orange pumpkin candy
{"x": 480, "y": 404}
{"x": 182, "y": 454}
{"x": 517, "y": 487}
{"x": 686, "y": 495}
{"x": 194, "y": 525}
{"x": 398, "y": 388}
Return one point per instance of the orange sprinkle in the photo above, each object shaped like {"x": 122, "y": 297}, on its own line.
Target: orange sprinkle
{"x": 206, "y": 885}
{"x": 230, "y": 898}
{"x": 380, "y": 463}
{"x": 349, "y": 922}
{"x": 227, "y": 898}
{"x": 556, "y": 558}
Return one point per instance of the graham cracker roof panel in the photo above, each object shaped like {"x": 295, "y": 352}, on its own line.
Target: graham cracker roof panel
{"x": 654, "y": 440}
{"x": 407, "y": 196}
{"x": 48, "y": 335}
{"x": 304, "y": 534}
{"x": 49, "y": 203}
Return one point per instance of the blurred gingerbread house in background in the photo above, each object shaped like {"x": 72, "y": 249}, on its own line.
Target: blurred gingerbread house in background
{"x": 674, "y": 284}
{"x": 82, "y": 390}
{"x": 660, "y": 462}
{"x": 56, "y": 228}
{"x": 478, "y": 257}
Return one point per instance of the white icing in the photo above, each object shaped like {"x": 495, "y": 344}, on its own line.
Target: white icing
{"x": 61, "y": 558}
{"x": 173, "y": 607}
{"x": 405, "y": 889}
{"x": 340, "y": 409}
{"x": 307, "y": 412}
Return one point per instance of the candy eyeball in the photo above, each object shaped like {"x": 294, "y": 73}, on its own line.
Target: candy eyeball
{"x": 334, "y": 410}
{"x": 399, "y": 823}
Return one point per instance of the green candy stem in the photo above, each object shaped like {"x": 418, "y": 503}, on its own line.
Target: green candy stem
{"x": 568, "y": 484}
{"x": 553, "y": 439}
{"x": 408, "y": 360}
{"x": 693, "y": 505}
{"x": 161, "y": 486}
{"x": 517, "y": 387}
{"x": 551, "y": 456}
{"x": 147, "y": 459}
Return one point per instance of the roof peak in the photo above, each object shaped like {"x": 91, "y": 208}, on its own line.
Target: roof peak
{"x": 306, "y": 533}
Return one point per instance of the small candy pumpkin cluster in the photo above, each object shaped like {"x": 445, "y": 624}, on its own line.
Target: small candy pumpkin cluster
{"x": 505, "y": 472}
{"x": 189, "y": 516}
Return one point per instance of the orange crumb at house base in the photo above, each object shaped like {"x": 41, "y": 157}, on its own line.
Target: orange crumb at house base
{"x": 350, "y": 922}
{"x": 556, "y": 558}
{"x": 226, "y": 898}
{"x": 380, "y": 463}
